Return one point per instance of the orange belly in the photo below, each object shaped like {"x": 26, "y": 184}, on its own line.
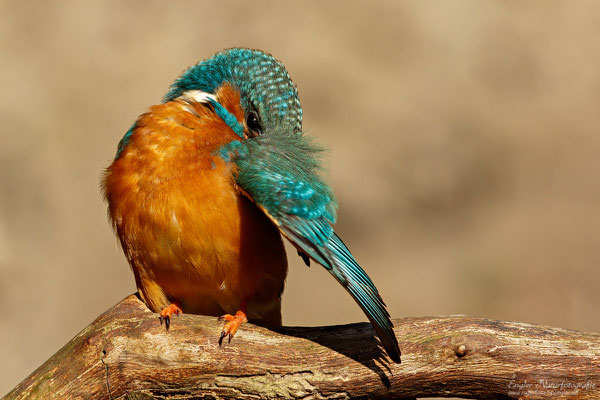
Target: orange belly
{"x": 189, "y": 236}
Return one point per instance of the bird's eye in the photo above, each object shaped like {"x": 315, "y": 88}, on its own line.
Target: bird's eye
{"x": 253, "y": 124}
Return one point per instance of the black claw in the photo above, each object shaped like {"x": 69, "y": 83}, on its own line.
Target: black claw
{"x": 161, "y": 320}
{"x": 229, "y": 339}
{"x": 305, "y": 258}
{"x": 167, "y": 322}
{"x": 221, "y": 338}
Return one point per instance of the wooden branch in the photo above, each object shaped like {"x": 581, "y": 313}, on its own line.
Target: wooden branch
{"x": 126, "y": 354}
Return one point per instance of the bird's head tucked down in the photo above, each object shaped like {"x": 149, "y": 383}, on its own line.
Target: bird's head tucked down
{"x": 268, "y": 95}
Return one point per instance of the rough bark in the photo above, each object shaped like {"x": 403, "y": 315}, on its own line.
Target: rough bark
{"x": 126, "y": 354}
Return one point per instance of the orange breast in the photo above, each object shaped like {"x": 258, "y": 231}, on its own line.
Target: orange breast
{"x": 187, "y": 233}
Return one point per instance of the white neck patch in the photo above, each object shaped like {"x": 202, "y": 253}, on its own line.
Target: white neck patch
{"x": 197, "y": 96}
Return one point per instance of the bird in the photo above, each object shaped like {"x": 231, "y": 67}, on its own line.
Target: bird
{"x": 207, "y": 183}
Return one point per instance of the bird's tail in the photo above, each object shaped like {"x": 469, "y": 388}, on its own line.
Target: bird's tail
{"x": 356, "y": 281}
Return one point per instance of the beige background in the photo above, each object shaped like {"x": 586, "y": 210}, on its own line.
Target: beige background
{"x": 465, "y": 141}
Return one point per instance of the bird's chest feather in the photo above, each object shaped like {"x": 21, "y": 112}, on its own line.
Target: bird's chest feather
{"x": 180, "y": 219}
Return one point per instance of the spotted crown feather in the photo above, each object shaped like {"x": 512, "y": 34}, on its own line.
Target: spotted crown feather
{"x": 263, "y": 81}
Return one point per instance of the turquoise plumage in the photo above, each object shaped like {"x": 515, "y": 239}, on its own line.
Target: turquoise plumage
{"x": 279, "y": 169}
{"x": 280, "y": 172}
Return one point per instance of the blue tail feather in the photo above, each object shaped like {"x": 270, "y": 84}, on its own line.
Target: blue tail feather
{"x": 356, "y": 281}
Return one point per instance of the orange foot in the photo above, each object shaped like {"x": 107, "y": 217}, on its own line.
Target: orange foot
{"x": 165, "y": 314}
{"x": 232, "y": 325}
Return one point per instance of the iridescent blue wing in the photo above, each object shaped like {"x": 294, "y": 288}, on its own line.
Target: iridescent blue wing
{"x": 281, "y": 175}
{"x": 310, "y": 235}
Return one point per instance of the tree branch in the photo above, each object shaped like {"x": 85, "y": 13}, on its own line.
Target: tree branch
{"x": 126, "y": 354}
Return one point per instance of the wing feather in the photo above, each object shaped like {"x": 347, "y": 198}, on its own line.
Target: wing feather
{"x": 280, "y": 175}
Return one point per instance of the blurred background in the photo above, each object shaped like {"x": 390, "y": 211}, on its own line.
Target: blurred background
{"x": 465, "y": 152}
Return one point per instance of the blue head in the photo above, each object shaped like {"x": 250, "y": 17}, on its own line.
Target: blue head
{"x": 267, "y": 93}
{"x": 265, "y": 86}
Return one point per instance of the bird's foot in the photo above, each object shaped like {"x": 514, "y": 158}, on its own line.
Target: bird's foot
{"x": 165, "y": 314}
{"x": 232, "y": 325}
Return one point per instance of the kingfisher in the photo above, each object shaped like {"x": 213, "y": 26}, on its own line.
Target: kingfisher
{"x": 204, "y": 186}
